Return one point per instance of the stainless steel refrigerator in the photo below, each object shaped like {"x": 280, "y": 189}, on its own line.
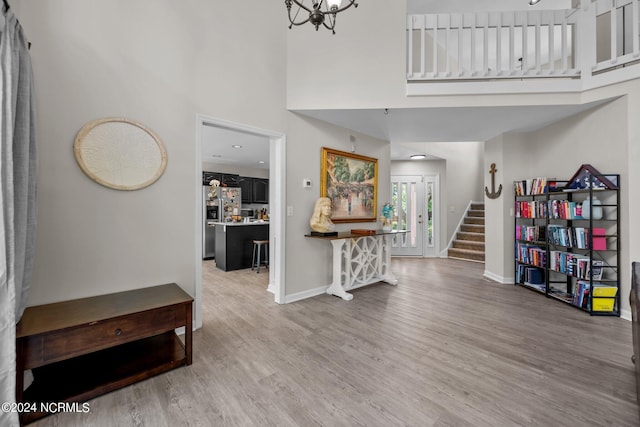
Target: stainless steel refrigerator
{"x": 229, "y": 202}
{"x": 210, "y": 215}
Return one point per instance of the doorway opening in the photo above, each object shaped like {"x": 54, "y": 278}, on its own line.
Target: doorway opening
{"x": 277, "y": 165}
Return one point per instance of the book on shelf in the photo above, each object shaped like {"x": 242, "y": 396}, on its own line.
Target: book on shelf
{"x": 534, "y": 186}
{"x": 561, "y": 295}
{"x": 530, "y": 254}
{"x": 530, "y": 276}
{"x": 531, "y": 233}
{"x": 595, "y": 269}
{"x": 576, "y": 265}
{"x": 581, "y": 294}
{"x": 530, "y": 209}
{"x": 577, "y": 237}
{"x": 599, "y": 239}
{"x": 564, "y": 209}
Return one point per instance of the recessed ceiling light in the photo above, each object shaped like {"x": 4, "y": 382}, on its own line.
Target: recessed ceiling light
{"x": 261, "y": 162}
{"x": 216, "y": 155}
{"x": 418, "y": 157}
{"x": 236, "y": 146}
{"x": 533, "y": 2}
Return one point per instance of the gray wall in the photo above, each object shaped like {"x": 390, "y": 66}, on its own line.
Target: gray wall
{"x": 161, "y": 63}
{"x": 460, "y": 172}
{"x": 600, "y": 137}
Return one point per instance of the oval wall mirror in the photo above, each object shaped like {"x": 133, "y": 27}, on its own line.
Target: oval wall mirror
{"x": 120, "y": 153}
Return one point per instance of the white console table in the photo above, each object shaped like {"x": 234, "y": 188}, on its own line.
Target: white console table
{"x": 360, "y": 260}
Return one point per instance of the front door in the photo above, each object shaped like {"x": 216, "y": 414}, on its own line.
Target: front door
{"x": 415, "y": 206}
{"x": 407, "y": 198}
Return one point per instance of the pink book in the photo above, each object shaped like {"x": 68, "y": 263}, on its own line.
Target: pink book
{"x": 599, "y": 239}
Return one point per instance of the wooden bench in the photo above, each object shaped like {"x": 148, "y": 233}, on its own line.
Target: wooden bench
{"x": 83, "y": 348}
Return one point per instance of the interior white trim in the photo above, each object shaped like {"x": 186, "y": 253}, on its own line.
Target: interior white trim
{"x": 436, "y": 215}
{"x": 500, "y": 279}
{"x": 306, "y": 294}
{"x": 277, "y": 187}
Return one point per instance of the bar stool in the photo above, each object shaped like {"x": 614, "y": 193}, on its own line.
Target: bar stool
{"x": 256, "y": 262}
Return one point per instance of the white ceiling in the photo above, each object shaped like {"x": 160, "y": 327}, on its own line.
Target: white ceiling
{"x": 406, "y": 126}
{"x": 408, "y": 129}
{"x": 218, "y": 147}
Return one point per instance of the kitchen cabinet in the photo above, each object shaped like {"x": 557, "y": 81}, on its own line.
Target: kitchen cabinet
{"x": 246, "y": 184}
{"x": 254, "y": 190}
{"x": 226, "y": 179}
{"x": 208, "y": 176}
{"x": 234, "y": 243}
{"x": 230, "y": 180}
{"x": 260, "y": 190}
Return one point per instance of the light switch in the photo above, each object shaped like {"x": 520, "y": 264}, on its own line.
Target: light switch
{"x": 289, "y": 210}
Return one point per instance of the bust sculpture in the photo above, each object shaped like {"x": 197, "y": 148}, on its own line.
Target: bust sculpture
{"x": 321, "y": 219}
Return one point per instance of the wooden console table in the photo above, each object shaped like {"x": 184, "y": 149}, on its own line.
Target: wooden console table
{"x": 360, "y": 260}
{"x": 83, "y": 348}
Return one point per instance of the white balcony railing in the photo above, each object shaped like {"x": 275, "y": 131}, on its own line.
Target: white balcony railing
{"x": 572, "y": 43}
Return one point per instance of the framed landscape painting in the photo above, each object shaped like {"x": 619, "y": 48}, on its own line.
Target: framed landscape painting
{"x": 351, "y": 182}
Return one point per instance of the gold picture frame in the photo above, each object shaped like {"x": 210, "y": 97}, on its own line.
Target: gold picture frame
{"x": 351, "y": 182}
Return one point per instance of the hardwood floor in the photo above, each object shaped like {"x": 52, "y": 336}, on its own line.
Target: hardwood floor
{"x": 443, "y": 348}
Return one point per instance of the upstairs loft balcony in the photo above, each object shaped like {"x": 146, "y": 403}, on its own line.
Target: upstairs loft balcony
{"x": 570, "y": 50}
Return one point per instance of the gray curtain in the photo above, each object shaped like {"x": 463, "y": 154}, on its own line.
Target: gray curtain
{"x": 17, "y": 195}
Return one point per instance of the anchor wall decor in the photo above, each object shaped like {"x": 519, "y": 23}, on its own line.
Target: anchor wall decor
{"x": 493, "y": 194}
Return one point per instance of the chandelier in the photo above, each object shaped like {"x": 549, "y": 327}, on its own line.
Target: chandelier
{"x": 322, "y": 12}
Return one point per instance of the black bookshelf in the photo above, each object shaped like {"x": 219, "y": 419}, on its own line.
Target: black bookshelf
{"x": 563, "y": 252}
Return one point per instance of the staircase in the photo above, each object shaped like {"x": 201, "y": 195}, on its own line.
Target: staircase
{"x": 469, "y": 241}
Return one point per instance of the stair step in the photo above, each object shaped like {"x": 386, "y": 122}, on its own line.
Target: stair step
{"x": 468, "y": 244}
{"x": 475, "y": 213}
{"x": 477, "y": 206}
{"x": 473, "y": 237}
{"x": 466, "y": 254}
{"x": 473, "y": 220}
{"x": 472, "y": 228}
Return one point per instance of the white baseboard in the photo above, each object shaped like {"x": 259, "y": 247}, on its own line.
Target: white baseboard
{"x": 305, "y": 294}
{"x": 271, "y": 288}
{"x": 625, "y": 314}
{"x": 500, "y": 279}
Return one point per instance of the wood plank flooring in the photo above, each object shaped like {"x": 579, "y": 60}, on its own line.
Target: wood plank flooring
{"x": 443, "y": 348}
